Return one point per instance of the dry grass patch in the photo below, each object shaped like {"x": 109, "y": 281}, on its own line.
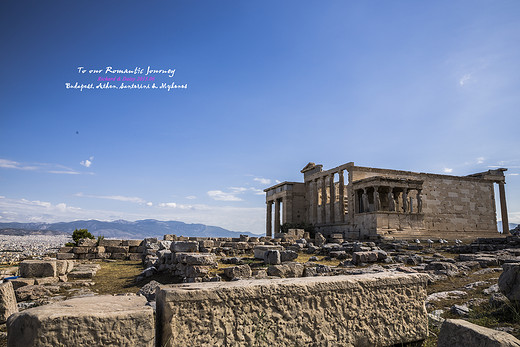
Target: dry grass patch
{"x": 117, "y": 277}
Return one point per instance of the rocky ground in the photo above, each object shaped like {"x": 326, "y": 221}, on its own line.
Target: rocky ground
{"x": 463, "y": 277}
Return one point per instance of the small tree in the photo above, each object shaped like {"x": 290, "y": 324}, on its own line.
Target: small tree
{"x": 79, "y": 234}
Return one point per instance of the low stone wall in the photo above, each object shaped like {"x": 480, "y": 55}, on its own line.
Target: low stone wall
{"x": 107, "y": 249}
{"x": 381, "y": 309}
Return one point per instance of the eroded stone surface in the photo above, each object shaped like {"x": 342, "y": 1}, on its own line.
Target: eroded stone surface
{"x": 38, "y": 268}
{"x": 380, "y": 309}
{"x": 7, "y": 301}
{"x": 89, "y": 321}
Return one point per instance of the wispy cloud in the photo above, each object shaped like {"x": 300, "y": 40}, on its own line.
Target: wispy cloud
{"x": 222, "y": 196}
{"x": 10, "y": 164}
{"x": 262, "y": 180}
{"x": 44, "y": 167}
{"x": 480, "y": 160}
{"x": 191, "y": 197}
{"x": 447, "y": 170}
{"x": 133, "y": 199}
{"x": 87, "y": 162}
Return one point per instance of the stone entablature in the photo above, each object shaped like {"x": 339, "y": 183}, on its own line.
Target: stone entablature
{"x": 371, "y": 202}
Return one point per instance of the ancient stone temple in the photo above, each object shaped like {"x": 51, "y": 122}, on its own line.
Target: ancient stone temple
{"x": 367, "y": 203}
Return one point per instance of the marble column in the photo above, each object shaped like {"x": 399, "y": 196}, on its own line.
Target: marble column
{"x": 341, "y": 196}
{"x": 277, "y": 216}
{"x": 316, "y": 200}
{"x": 332, "y": 198}
{"x": 503, "y": 207}
{"x": 323, "y": 200}
{"x": 405, "y": 200}
{"x": 269, "y": 221}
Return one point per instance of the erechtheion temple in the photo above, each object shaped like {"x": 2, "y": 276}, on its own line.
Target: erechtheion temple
{"x": 367, "y": 203}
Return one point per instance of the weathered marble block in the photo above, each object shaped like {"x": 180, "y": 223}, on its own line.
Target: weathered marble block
{"x": 7, "y": 301}
{"x": 261, "y": 249}
{"x": 89, "y": 321}
{"x": 362, "y": 310}
{"x": 38, "y": 268}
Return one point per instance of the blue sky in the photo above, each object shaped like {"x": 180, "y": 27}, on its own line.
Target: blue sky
{"x": 411, "y": 85}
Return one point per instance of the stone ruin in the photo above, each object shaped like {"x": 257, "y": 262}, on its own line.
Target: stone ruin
{"x": 353, "y": 203}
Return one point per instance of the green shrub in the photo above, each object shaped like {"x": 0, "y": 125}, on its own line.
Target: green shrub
{"x": 79, "y": 234}
{"x": 99, "y": 238}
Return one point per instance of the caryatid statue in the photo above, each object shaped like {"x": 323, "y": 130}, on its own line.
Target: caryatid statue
{"x": 391, "y": 201}
{"x": 419, "y": 201}
{"x": 364, "y": 198}
{"x": 405, "y": 200}
{"x": 377, "y": 200}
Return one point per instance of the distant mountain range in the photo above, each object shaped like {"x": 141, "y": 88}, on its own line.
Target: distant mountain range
{"x": 121, "y": 229}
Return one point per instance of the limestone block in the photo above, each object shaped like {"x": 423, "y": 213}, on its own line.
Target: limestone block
{"x": 206, "y": 244}
{"x": 32, "y": 292}
{"x": 89, "y": 321}
{"x": 110, "y": 243}
{"x": 7, "y": 301}
{"x": 363, "y": 310}
{"x": 364, "y": 257}
{"x": 116, "y": 249}
{"x": 193, "y": 271}
{"x": 460, "y": 333}
{"x": 87, "y": 243}
{"x": 272, "y": 257}
{"x": 65, "y": 256}
{"x": 119, "y": 256}
{"x": 164, "y": 245}
{"x": 135, "y": 256}
{"x": 63, "y": 267}
{"x": 509, "y": 281}
{"x": 46, "y": 280}
{"x": 319, "y": 240}
{"x": 184, "y": 246}
{"x": 132, "y": 243}
{"x": 65, "y": 249}
{"x": 288, "y": 255}
{"x": 240, "y": 271}
{"x": 260, "y": 250}
{"x": 83, "y": 250}
{"x": 38, "y": 268}
{"x": 286, "y": 270}
{"x": 21, "y": 282}
{"x": 207, "y": 259}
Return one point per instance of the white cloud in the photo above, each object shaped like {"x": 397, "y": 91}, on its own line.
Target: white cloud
{"x": 480, "y": 160}
{"x": 222, "y": 196}
{"x": 191, "y": 197}
{"x": 133, "y": 199}
{"x": 447, "y": 170}
{"x": 175, "y": 205}
{"x": 513, "y": 174}
{"x": 87, "y": 162}
{"x": 464, "y": 79}
{"x": 149, "y": 204}
{"x": 262, "y": 180}
{"x": 277, "y": 181}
